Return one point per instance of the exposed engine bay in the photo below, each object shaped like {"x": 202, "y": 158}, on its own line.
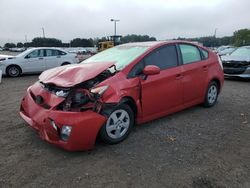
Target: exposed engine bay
{"x": 82, "y": 96}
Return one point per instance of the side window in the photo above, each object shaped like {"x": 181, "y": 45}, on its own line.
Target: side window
{"x": 189, "y": 53}
{"x": 204, "y": 54}
{"x": 60, "y": 52}
{"x": 35, "y": 54}
{"x": 136, "y": 70}
{"x": 50, "y": 52}
{"x": 165, "y": 57}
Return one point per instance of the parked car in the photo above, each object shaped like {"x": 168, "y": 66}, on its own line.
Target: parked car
{"x": 83, "y": 54}
{"x": 227, "y": 51}
{"x": 110, "y": 92}
{"x": 221, "y": 48}
{"x": 237, "y": 64}
{"x": 36, "y": 60}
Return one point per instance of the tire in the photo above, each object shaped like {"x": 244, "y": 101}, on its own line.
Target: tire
{"x": 211, "y": 94}
{"x": 65, "y": 63}
{"x": 13, "y": 71}
{"x": 116, "y": 128}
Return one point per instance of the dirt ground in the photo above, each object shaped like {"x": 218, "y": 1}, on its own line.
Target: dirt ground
{"x": 197, "y": 147}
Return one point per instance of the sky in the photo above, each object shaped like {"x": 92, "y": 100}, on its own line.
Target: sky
{"x": 163, "y": 19}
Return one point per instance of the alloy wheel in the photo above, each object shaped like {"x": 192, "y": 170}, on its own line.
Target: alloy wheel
{"x": 118, "y": 124}
{"x": 212, "y": 94}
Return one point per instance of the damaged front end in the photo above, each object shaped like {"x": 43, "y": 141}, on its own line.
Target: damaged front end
{"x": 69, "y": 117}
{"x": 82, "y": 97}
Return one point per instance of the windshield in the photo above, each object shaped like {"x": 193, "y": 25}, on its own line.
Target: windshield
{"x": 25, "y": 52}
{"x": 242, "y": 52}
{"x": 121, "y": 55}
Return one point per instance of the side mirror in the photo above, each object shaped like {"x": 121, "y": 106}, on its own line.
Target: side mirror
{"x": 27, "y": 57}
{"x": 151, "y": 70}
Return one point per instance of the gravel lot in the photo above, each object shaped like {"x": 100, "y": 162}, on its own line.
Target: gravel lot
{"x": 197, "y": 147}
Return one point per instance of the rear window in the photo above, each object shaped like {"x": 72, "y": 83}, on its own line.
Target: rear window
{"x": 189, "y": 53}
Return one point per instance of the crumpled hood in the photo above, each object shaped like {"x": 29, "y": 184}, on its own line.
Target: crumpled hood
{"x": 71, "y": 75}
{"x": 234, "y": 58}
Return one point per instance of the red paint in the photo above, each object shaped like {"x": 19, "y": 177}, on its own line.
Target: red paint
{"x": 165, "y": 92}
{"x": 68, "y": 76}
{"x": 151, "y": 70}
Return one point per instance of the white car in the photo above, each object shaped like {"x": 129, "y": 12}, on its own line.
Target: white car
{"x": 36, "y": 60}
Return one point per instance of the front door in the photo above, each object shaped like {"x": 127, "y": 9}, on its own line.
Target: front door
{"x": 162, "y": 93}
{"x": 34, "y": 62}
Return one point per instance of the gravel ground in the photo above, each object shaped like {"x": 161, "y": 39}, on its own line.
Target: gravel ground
{"x": 197, "y": 147}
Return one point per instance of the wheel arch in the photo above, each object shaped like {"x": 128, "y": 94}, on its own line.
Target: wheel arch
{"x": 131, "y": 103}
{"x": 11, "y": 66}
{"x": 217, "y": 81}
{"x": 65, "y": 63}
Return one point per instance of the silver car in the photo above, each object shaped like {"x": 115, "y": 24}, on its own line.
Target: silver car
{"x": 36, "y": 60}
{"x": 237, "y": 64}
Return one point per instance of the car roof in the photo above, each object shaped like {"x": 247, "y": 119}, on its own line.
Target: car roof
{"x": 152, "y": 44}
{"x": 52, "y": 48}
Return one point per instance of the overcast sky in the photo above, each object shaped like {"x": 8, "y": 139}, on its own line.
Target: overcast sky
{"x": 164, "y": 19}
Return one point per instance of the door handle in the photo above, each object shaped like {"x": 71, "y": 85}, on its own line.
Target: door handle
{"x": 58, "y": 56}
{"x": 40, "y": 58}
{"x": 205, "y": 68}
{"x": 179, "y": 76}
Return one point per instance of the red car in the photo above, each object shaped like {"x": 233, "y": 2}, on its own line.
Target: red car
{"x": 107, "y": 94}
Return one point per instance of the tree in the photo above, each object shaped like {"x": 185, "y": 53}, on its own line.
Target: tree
{"x": 136, "y": 38}
{"x": 9, "y": 45}
{"x": 242, "y": 37}
{"x": 46, "y": 42}
{"x": 78, "y": 42}
{"x": 19, "y": 45}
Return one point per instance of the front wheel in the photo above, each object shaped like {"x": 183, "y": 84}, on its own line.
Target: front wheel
{"x": 118, "y": 125}
{"x": 211, "y": 95}
{"x": 13, "y": 71}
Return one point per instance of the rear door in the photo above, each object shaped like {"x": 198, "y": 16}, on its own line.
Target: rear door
{"x": 195, "y": 71}
{"x": 162, "y": 93}
{"x": 53, "y": 58}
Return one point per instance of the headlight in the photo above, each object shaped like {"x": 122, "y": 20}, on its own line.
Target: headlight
{"x": 99, "y": 90}
{"x": 65, "y": 132}
{"x": 62, "y": 93}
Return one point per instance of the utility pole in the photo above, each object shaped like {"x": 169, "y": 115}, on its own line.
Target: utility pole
{"x": 215, "y": 32}
{"x": 43, "y": 32}
{"x": 113, "y": 20}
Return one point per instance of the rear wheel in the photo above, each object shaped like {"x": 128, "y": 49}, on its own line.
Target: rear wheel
{"x": 211, "y": 95}
{"x": 118, "y": 125}
{"x": 13, "y": 71}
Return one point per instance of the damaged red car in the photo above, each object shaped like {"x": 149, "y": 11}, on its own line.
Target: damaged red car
{"x": 107, "y": 94}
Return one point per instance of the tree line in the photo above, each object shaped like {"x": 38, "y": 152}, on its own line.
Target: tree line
{"x": 239, "y": 38}
{"x": 77, "y": 42}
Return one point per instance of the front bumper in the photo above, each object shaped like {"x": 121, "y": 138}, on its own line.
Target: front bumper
{"x": 85, "y": 125}
{"x": 244, "y": 74}
{"x": 3, "y": 68}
